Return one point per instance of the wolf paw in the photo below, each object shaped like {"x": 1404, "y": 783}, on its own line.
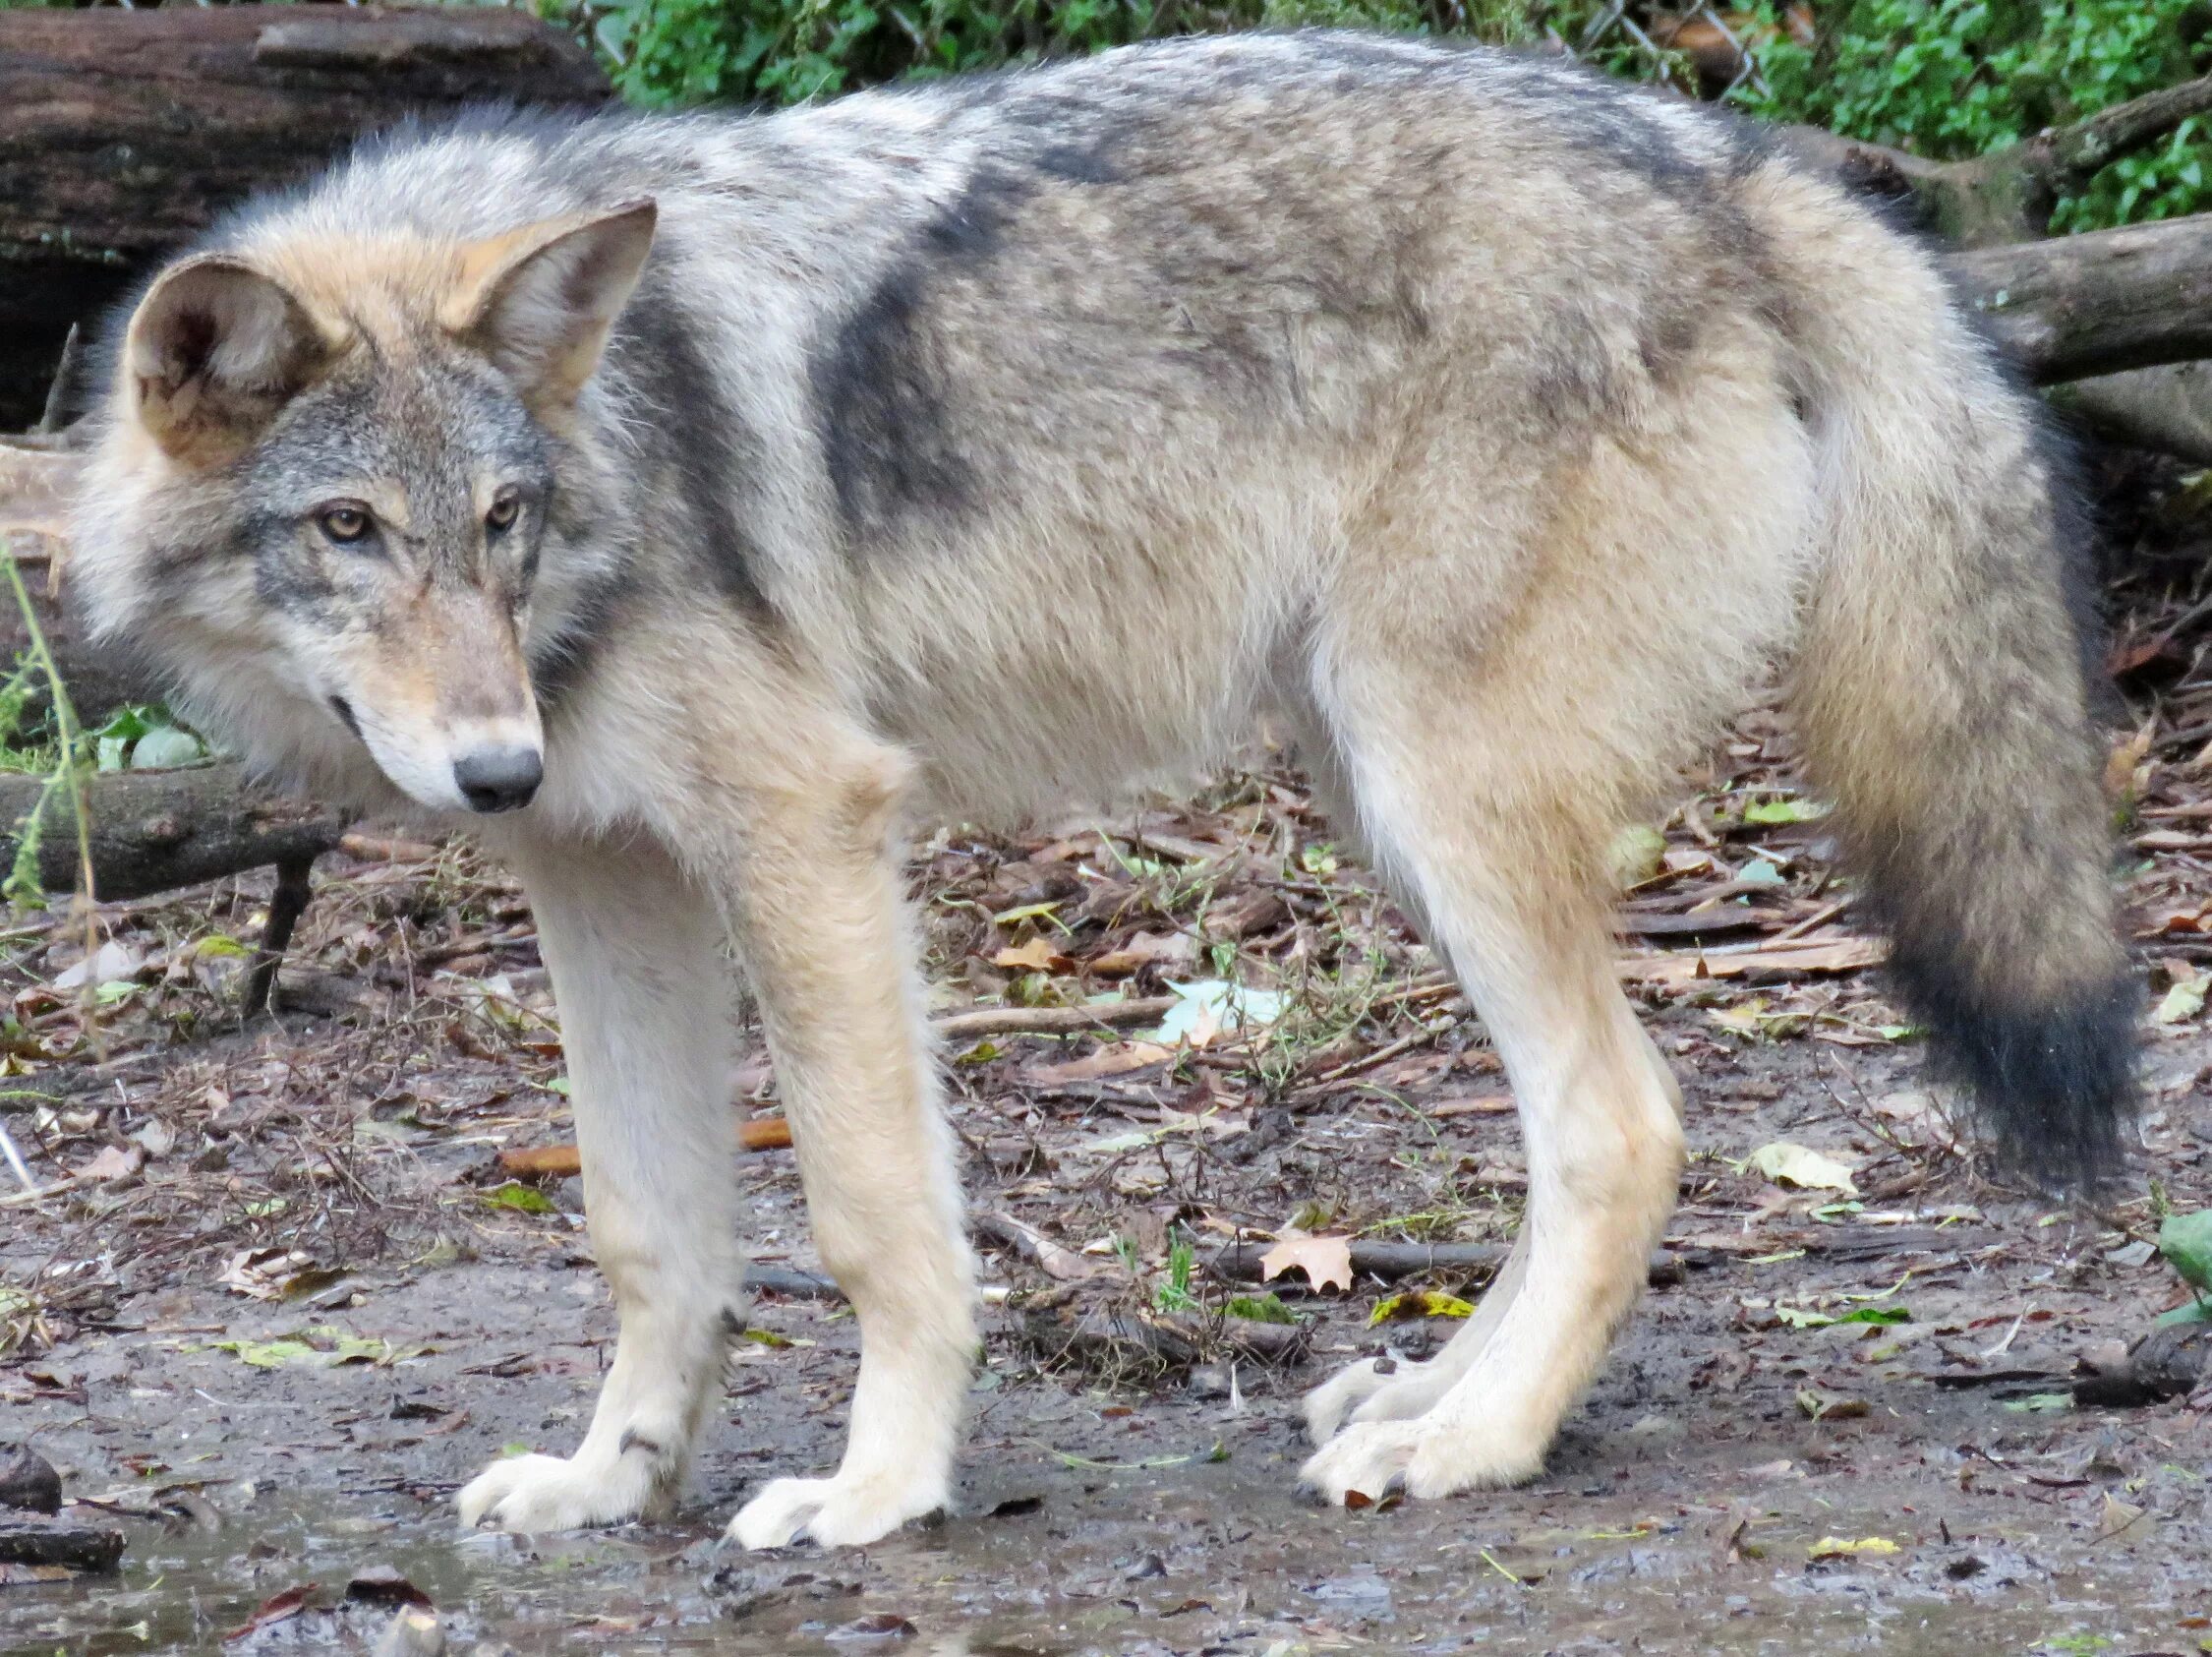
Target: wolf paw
{"x": 542, "y": 1493}
{"x": 1329, "y": 1405}
{"x": 1420, "y": 1458}
{"x": 839, "y": 1512}
{"x": 1367, "y": 1461}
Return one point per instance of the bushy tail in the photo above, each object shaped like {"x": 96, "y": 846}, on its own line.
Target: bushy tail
{"x": 1942, "y": 693}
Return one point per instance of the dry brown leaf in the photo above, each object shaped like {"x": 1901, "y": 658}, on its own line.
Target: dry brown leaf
{"x": 1116, "y": 1060}
{"x": 114, "y": 1162}
{"x": 1170, "y": 950}
{"x": 1326, "y": 1261}
{"x": 264, "y": 1273}
{"x": 1035, "y": 956}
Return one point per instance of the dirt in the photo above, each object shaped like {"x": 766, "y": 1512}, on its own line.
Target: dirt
{"x": 1739, "y": 1481}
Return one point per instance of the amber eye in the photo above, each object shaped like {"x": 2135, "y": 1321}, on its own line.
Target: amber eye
{"x": 344, "y": 521}
{"x": 506, "y": 507}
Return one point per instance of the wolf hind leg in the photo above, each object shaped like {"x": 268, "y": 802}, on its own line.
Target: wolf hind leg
{"x": 1494, "y": 831}
{"x": 1365, "y": 1391}
{"x": 647, "y": 1004}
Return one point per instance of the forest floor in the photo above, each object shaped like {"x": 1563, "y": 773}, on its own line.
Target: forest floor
{"x": 277, "y": 1295}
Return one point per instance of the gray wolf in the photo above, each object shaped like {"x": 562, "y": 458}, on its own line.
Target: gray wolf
{"x": 692, "y": 506}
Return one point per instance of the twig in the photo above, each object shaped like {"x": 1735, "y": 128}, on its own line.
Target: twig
{"x": 285, "y": 907}
{"x": 1053, "y": 1020}
{"x": 57, "y": 392}
{"x": 25, "y": 1199}
{"x": 1381, "y": 1055}
{"x": 1241, "y": 1262}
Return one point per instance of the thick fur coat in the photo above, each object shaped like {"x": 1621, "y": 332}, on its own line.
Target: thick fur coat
{"x": 705, "y": 501}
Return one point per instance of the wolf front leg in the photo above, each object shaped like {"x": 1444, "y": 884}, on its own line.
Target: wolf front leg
{"x": 820, "y": 917}
{"x": 638, "y": 957}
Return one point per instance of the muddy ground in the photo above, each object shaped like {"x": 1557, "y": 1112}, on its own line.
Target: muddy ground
{"x": 276, "y": 1298}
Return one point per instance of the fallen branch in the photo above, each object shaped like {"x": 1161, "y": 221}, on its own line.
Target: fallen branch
{"x": 2097, "y": 303}
{"x": 1123, "y": 1341}
{"x": 153, "y": 831}
{"x": 28, "y": 1539}
{"x": 2008, "y": 193}
{"x": 560, "y": 1161}
{"x": 1052, "y": 1021}
{"x": 1239, "y": 1262}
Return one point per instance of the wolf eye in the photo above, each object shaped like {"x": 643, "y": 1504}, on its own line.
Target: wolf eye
{"x": 506, "y": 507}
{"x": 343, "y": 521}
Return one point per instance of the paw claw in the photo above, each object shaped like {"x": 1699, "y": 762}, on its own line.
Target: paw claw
{"x": 839, "y": 1512}
{"x": 550, "y": 1493}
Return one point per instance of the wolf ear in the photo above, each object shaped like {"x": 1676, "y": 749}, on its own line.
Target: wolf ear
{"x": 213, "y": 352}
{"x": 538, "y": 301}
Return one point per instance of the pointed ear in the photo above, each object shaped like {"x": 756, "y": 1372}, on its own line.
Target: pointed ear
{"x": 538, "y": 301}
{"x": 213, "y": 352}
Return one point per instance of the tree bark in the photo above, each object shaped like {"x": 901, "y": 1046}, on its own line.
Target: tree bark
{"x": 124, "y": 133}
{"x": 2098, "y": 303}
{"x": 153, "y": 831}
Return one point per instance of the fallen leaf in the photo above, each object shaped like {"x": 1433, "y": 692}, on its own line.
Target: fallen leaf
{"x": 1170, "y": 950}
{"x": 2186, "y": 1000}
{"x": 1638, "y": 853}
{"x": 267, "y": 1273}
{"x": 1826, "y": 1406}
{"x": 112, "y": 962}
{"x": 2185, "y": 1240}
{"x": 1419, "y": 1302}
{"x": 277, "y": 1608}
{"x": 114, "y": 1162}
{"x": 1118, "y": 1060}
{"x": 1769, "y": 813}
{"x": 1205, "y": 1009}
{"x": 884, "y": 1626}
{"x": 382, "y": 1585}
{"x": 1863, "y": 1547}
{"x": 1036, "y": 956}
{"x": 1798, "y": 1318}
{"x": 2116, "y": 1516}
{"x": 522, "y": 1199}
{"x": 1326, "y": 1261}
{"x": 1808, "y": 1169}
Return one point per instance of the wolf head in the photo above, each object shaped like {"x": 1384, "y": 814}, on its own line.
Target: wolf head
{"x": 325, "y": 477}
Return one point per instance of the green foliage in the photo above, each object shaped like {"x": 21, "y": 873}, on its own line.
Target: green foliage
{"x": 676, "y": 52}
{"x": 1955, "y": 79}
{"x": 1944, "y": 79}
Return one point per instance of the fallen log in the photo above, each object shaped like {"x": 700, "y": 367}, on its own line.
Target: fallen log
{"x": 2097, "y": 303}
{"x": 2007, "y": 195}
{"x": 124, "y": 133}
{"x": 153, "y": 831}
{"x": 30, "y": 1539}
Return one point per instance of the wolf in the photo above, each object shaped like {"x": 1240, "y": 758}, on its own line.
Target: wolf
{"x": 693, "y": 506}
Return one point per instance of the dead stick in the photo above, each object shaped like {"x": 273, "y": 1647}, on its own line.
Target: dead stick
{"x": 1239, "y": 1261}
{"x": 1053, "y": 1020}
{"x": 285, "y": 907}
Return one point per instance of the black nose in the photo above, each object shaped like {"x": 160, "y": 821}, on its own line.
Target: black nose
{"x": 499, "y": 778}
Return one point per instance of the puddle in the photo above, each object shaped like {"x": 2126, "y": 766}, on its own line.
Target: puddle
{"x": 1207, "y": 1559}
